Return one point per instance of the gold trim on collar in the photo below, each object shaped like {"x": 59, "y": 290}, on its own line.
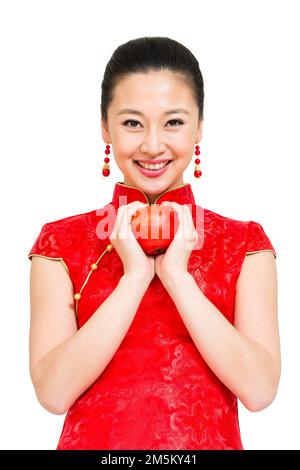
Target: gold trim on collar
{"x": 141, "y": 191}
{"x": 134, "y": 187}
{"x": 258, "y": 251}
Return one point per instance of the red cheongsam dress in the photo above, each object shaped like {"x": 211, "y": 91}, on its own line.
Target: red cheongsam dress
{"x": 157, "y": 392}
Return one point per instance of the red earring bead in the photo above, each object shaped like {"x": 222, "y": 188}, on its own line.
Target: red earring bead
{"x": 197, "y": 171}
{"x": 105, "y": 168}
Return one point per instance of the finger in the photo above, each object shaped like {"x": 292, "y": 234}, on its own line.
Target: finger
{"x": 123, "y": 213}
{"x": 119, "y": 215}
{"x": 132, "y": 208}
{"x": 127, "y": 213}
{"x": 186, "y": 227}
{"x": 190, "y": 231}
{"x": 178, "y": 208}
{"x": 188, "y": 217}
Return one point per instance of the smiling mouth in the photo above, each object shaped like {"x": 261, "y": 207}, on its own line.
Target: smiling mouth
{"x": 152, "y": 165}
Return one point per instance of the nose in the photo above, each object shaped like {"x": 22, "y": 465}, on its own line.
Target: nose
{"x": 152, "y": 144}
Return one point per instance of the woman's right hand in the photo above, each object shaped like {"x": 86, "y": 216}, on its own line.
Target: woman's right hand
{"x": 123, "y": 240}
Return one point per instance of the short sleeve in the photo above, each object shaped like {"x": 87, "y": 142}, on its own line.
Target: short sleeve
{"x": 47, "y": 245}
{"x": 257, "y": 239}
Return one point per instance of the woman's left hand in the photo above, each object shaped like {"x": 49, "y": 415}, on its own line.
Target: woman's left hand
{"x": 175, "y": 259}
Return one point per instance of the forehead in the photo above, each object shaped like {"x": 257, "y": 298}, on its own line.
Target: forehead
{"x": 154, "y": 88}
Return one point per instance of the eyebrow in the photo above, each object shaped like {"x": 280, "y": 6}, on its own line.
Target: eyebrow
{"x": 139, "y": 113}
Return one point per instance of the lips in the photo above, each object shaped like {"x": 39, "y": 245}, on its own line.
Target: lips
{"x": 153, "y": 173}
{"x": 154, "y": 162}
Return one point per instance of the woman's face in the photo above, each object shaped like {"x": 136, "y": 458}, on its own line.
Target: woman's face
{"x": 144, "y": 126}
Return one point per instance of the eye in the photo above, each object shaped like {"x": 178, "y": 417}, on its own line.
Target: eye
{"x": 176, "y": 120}
{"x": 131, "y": 120}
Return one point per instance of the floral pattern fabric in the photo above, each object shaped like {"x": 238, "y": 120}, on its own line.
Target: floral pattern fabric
{"x": 157, "y": 392}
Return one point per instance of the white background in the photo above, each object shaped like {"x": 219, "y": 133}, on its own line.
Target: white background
{"x": 53, "y": 56}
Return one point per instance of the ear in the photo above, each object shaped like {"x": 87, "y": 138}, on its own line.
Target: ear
{"x": 199, "y": 130}
{"x": 105, "y": 131}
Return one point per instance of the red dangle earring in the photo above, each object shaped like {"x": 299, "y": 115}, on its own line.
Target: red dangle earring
{"x": 105, "y": 168}
{"x": 197, "y": 171}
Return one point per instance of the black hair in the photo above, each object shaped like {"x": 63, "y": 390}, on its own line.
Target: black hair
{"x": 150, "y": 54}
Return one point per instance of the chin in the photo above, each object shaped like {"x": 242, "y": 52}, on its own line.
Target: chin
{"x": 151, "y": 186}
{"x": 154, "y": 186}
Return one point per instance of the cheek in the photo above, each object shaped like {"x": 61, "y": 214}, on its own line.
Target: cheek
{"x": 182, "y": 147}
{"x": 123, "y": 151}
{"x": 183, "y": 153}
{"x": 126, "y": 149}
{"x": 183, "y": 163}
{"x": 125, "y": 143}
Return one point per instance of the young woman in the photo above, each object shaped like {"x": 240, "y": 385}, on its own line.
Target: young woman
{"x": 152, "y": 352}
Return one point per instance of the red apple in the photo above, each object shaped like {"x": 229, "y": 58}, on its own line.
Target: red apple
{"x": 154, "y": 227}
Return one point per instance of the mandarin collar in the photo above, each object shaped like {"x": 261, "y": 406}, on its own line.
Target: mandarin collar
{"x": 125, "y": 194}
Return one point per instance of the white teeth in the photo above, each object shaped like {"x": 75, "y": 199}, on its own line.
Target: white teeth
{"x": 152, "y": 166}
